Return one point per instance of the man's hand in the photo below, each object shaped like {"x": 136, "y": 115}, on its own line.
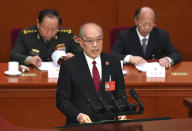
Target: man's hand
{"x": 68, "y": 55}
{"x": 83, "y": 118}
{"x": 135, "y": 60}
{"x": 164, "y": 62}
{"x": 35, "y": 60}
{"x": 122, "y": 117}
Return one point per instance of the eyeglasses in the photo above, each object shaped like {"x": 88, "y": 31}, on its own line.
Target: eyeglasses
{"x": 91, "y": 41}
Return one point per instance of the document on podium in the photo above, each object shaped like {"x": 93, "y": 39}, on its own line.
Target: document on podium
{"x": 51, "y": 67}
{"x": 141, "y": 67}
{"x": 56, "y": 55}
{"x": 145, "y": 66}
{"x": 45, "y": 66}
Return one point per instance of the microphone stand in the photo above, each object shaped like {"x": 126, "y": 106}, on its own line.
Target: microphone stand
{"x": 115, "y": 103}
{"x": 119, "y": 106}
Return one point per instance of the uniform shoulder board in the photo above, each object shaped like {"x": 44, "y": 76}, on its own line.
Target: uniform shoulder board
{"x": 69, "y": 31}
{"x": 28, "y": 31}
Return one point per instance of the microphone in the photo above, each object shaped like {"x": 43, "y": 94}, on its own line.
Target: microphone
{"x": 112, "y": 97}
{"x": 103, "y": 102}
{"x": 114, "y": 101}
{"x": 135, "y": 96}
{"x": 128, "y": 104}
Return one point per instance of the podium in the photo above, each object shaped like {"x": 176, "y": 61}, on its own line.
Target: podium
{"x": 154, "y": 125}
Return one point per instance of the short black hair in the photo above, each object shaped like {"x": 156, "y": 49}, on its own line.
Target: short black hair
{"x": 50, "y": 13}
{"x": 138, "y": 11}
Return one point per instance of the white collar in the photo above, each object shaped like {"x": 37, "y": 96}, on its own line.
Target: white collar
{"x": 140, "y": 36}
{"x": 90, "y": 60}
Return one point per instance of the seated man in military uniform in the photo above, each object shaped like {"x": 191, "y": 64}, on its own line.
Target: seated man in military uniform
{"x": 36, "y": 43}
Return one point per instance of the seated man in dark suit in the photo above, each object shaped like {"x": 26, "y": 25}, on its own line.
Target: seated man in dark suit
{"x": 144, "y": 42}
{"x": 84, "y": 76}
{"x": 36, "y": 43}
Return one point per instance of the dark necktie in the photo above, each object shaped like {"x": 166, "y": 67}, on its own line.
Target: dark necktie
{"x": 144, "y": 45}
{"x": 96, "y": 77}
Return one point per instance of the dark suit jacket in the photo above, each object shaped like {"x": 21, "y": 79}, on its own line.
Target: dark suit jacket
{"x": 75, "y": 86}
{"x": 159, "y": 45}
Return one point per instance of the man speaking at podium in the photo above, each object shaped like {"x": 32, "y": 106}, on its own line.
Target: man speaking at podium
{"x": 83, "y": 79}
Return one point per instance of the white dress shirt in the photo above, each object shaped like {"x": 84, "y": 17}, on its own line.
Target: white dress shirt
{"x": 98, "y": 64}
{"x": 127, "y": 57}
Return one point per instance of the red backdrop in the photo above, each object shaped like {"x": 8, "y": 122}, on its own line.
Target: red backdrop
{"x": 174, "y": 16}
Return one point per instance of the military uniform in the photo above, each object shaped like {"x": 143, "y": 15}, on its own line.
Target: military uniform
{"x": 30, "y": 43}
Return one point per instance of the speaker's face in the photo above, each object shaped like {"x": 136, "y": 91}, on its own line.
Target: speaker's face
{"x": 92, "y": 41}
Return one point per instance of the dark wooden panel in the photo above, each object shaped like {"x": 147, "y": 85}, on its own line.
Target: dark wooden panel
{"x": 33, "y": 112}
{"x": 24, "y": 100}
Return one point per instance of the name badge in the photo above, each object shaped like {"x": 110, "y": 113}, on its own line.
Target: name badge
{"x": 110, "y": 86}
{"x": 53, "y": 73}
{"x": 155, "y": 70}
